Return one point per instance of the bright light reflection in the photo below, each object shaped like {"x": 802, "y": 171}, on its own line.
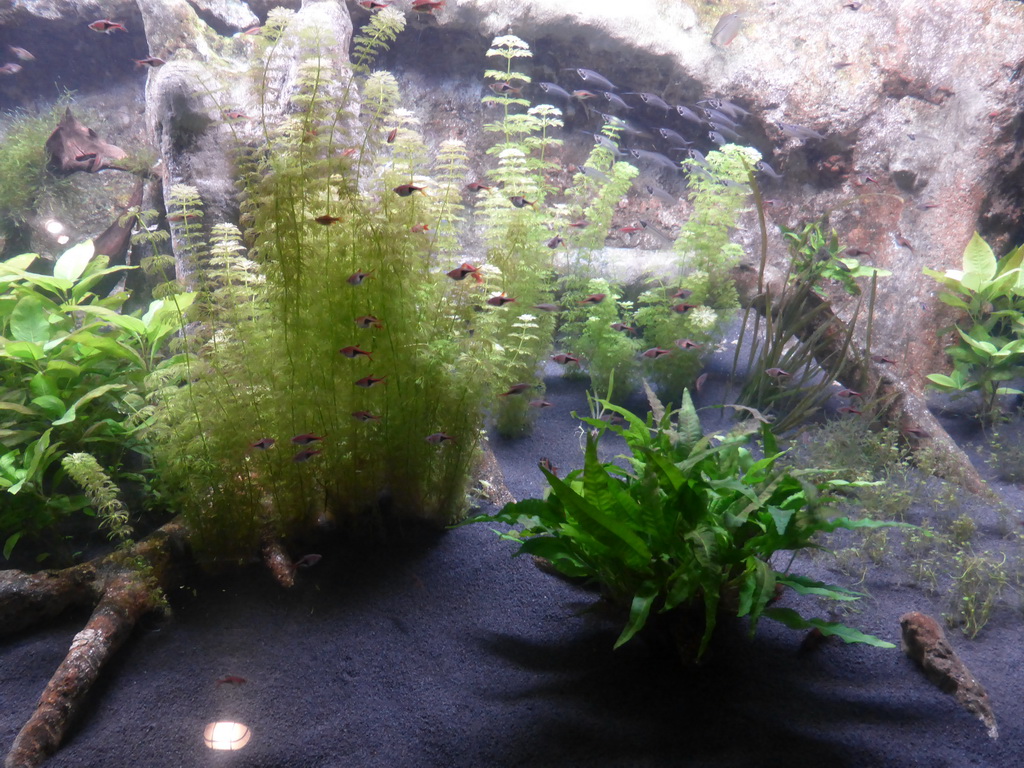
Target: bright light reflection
{"x": 226, "y": 735}
{"x": 54, "y": 227}
{"x": 63, "y": 240}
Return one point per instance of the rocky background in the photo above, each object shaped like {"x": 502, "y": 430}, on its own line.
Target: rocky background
{"x": 919, "y": 104}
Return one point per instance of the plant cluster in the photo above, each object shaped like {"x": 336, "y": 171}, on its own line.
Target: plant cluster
{"x": 988, "y": 348}
{"x": 73, "y": 377}
{"x": 695, "y": 521}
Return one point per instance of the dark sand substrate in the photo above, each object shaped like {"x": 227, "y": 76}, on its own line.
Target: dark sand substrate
{"x": 442, "y": 650}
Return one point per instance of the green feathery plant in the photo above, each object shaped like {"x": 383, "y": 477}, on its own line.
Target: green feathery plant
{"x": 705, "y": 297}
{"x": 696, "y": 527}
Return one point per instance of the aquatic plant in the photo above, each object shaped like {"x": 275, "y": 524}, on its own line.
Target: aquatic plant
{"x": 988, "y": 350}
{"x": 706, "y": 254}
{"x": 73, "y": 373}
{"x": 690, "y": 529}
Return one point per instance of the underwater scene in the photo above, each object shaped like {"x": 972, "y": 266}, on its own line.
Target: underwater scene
{"x": 467, "y": 383}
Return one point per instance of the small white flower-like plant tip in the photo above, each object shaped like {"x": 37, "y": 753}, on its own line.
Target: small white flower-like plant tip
{"x": 510, "y": 46}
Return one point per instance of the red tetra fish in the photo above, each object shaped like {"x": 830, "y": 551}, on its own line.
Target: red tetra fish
{"x": 682, "y": 293}
{"x": 417, "y": 229}
{"x": 369, "y": 381}
{"x": 150, "y": 61}
{"x": 581, "y": 224}
{"x": 883, "y": 360}
{"x": 547, "y": 307}
{"x": 687, "y": 344}
{"x": 404, "y": 190}
{"x": 349, "y": 152}
{"x": 545, "y": 463}
{"x": 353, "y": 352}
{"x": 370, "y": 5}
{"x": 10, "y": 68}
{"x": 476, "y": 186}
{"x": 698, "y": 385}
{"x": 461, "y": 272}
{"x": 655, "y": 352}
{"x": 426, "y": 6}
{"x": 392, "y": 135}
{"x": 305, "y": 455}
{"x": 623, "y": 327}
{"x": 540, "y": 403}
{"x": 556, "y": 241}
{"x": 684, "y": 307}
{"x": 521, "y": 202}
{"x": 503, "y": 88}
{"x": 364, "y": 416}
{"x": 357, "y": 278}
{"x": 106, "y": 26}
{"x": 307, "y": 438}
{"x": 848, "y": 409}
{"x": 264, "y": 444}
{"x": 368, "y": 321}
{"x": 307, "y": 561}
{"x": 439, "y": 437}
{"x": 21, "y": 53}
{"x": 516, "y": 389}
{"x": 777, "y": 373}
{"x": 594, "y": 298}
{"x": 500, "y": 300}
{"x": 230, "y": 680}
{"x": 253, "y": 31}
{"x": 326, "y": 220}
{"x": 234, "y": 114}
{"x": 565, "y": 359}
{"x": 629, "y": 230}
{"x": 848, "y": 393}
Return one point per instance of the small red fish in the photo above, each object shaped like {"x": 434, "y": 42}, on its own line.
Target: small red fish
{"x": 547, "y": 307}
{"x": 460, "y": 272}
{"x": 812, "y": 641}
{"x": 682, "y": 293}
{"x": 234, "y": 114}
{"x": 594, "y": 298}
{"x": 579, "y": 224}
{"x": 500, "y": 300}
{"x": 306, "y": 439}
{"x": 357, "y": 278}
{"x": 565, "y": 359}
{"x": 106, "y": 26}
{"x": 305, "y": 455}
{"x": 476, "y": 186}
{"x": 417, "y": 229}
{"x": 253, "y": 31}
{"x": 623, "y": 327}
{"x": 583, "y": 95}
{"x": 698, "y": 385}
{"x": 503, "y": 88}
{"x": 353, "y": 352}
{"x": 307, "y": 561}
{"x": 327, "y": 220}
{"x": 628, "y": 230}
{"x": 404, "y": 190}
{"x": 545, "y": 463}
{"x": 438, "y": 437}
{"x": 262, "y": 445}
{"x": 230, "y": 680}
{"x": 655, "y": 352}
{"x": 10, "y": 68}
{"x": 848, "y": 393}
{"x": 684, "y": 307}
{"x": 364, "y": 416}
{"x": 521, "y": 202}
{"x": 848, "y": 409}
{"x": 777, "y": 373}
{"x": 883, "y": 359}
{"x": 516, "y": 389}
{"x": 687, "y": 344}
{"x": 392, "y": 135}
{"x": 349, "y": 152}
{"x": 540, "y": 404}
{"x": 426, "y": 6}
{"x": 556, "y": 241}
{"x": 368, "y": 381}
{"x": 370, "y": 5}
{"x": 368, "y": 321}
{"x": 150, "y": 61}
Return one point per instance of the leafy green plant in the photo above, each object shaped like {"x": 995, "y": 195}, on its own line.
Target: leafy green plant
{"x": 73, "y": 375}
{"x": 990, "y": 351}
{"x": 696, "y": 521}
{"x": 978, "y": 582}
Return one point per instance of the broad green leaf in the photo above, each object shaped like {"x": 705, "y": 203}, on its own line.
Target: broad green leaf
{"x": 51, "y": 404}
{"x": 979, "y": 259}
{"x": 72, "y": 262}
{"x": 944, "y": 381}
{"x": 108, "y": 345}
{"x": 127, "y": 322}
{"x": 17, "y": 408}
{"x": 804, "y": 586}
{"x": 794, "y": 620}
{"x": 92, "y": 394}
{"x": 30, "y": 321}
{"x": 20, "y": 263}
{"x": 9, "y": 545}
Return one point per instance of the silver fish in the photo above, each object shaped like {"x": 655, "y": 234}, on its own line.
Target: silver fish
{"x": 595, "y": 174}
{"x": 698, "y": 156}
{"x": 555, "y": 90}
{"x": 726, "y": 29}
{"x": 726, "y": 131}
{"x": 659, "y": 193}
{"x": 798, "y": 131}
{"x": 734, "y": 111}
{"x": 616, "y": 100}
{"x": 713, "y": 115}
{"x": 591, "y": 77}
{"x": 718, "y": 138}
{"x": 648, "y": 227}
{"x": 605, "y": 142}
{"x": 688, "y": 114}
{"x": 656, "y": 158}
{"x": 668, "y": 133}
{"x": 762, "y": 166}
{"x": 651, "y": 99}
